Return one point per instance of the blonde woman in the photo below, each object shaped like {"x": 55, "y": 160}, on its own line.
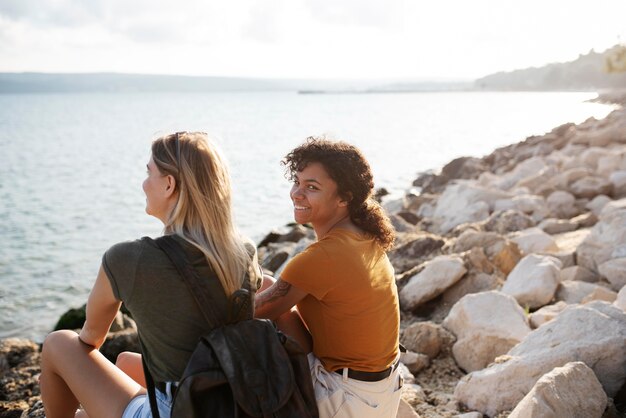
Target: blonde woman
{"x": 188, "y": 189}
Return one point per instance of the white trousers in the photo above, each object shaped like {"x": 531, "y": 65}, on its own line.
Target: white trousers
{"x": 338, "y": 396}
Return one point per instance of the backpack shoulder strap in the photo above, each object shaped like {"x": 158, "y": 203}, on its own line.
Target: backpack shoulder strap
{"x": 197, "y": 287}
{"x": 149, "y": 386}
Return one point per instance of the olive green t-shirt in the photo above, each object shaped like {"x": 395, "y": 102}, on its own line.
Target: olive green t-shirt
{"x": 168, "y": 319}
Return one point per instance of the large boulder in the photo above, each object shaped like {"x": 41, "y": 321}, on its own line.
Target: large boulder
{"x": 614, "y": 271}
{"x": 546, "y": 314}
{"x": 561, "y": 204}
{"x": 620, "y": 302}
{"x": 607, "y": 239}
{"x": 594, "y": 334}
{"x": 507, "y": 221}
{"x": 465, "y": 202}
{"x": 590, "y": 187}
{"x": 418, "y": 248}
{"x": 534, "y": 280}
{"x": 481, "y": 337}
{"x": 471, "y": 283}
{"x": 525, "y": 169}
{"x": 553, "y": 226}
{"x": 618, "y": 182}
{"x": 503, "y": 253}
{"x": 438, "y": 274}
{"x": 597, "y": 204}
{"x": 571, "y": 391}
{"x": 572, "y": 292}
{"x": 579, "y": 274}
{"x": 534, "y": 240}
{"x": 533, "y": 205}
{"x": 424, "y": 337}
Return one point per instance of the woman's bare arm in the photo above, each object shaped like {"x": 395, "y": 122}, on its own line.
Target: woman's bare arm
{"x": 277, "y": 299}
{"x": 101, "y": 310}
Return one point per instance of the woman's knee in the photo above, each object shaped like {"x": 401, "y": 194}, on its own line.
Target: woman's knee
{"x": 58, "y": 340}
{"x": 125, "y": 358}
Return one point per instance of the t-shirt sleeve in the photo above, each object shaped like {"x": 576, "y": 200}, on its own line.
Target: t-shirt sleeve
{"x": 311, "y": 271}
{"x": 120, "y": 264}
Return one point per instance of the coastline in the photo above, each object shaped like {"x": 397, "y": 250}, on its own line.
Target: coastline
{"x": 477, "y": 219}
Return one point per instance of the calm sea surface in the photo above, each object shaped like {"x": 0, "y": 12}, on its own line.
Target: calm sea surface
{"x": 71, "y": 166}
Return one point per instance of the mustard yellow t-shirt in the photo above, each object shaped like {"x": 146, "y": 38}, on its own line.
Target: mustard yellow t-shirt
{"x": 352, "y": 308}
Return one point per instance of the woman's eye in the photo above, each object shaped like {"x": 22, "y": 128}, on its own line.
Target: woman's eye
{"x": 312, "y": 188}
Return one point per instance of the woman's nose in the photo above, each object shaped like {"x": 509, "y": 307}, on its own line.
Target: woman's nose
{"x": 296, "y": 193}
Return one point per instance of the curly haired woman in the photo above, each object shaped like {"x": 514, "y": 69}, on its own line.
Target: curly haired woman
{"x": 343, "y": 284}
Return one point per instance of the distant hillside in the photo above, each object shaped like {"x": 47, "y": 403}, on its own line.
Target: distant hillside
{"x": 112, "y": 82}
{"x": 585, "y": 73}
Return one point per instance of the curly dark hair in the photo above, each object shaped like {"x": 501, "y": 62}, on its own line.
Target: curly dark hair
{"x": 347, "y": 166}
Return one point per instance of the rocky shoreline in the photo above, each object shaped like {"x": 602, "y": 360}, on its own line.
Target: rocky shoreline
{"x": 511, "y": 270}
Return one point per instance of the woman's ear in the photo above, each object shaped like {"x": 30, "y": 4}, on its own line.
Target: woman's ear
{"x": 170, "y": 188}
{"x": 345, "y": 200}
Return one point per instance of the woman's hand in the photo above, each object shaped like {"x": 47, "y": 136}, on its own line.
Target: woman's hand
{"x": 101, "y": 310}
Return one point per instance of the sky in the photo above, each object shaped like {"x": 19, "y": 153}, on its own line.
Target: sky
{"x": 327, "y": 39}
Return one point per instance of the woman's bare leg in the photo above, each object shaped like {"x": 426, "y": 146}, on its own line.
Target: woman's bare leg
{"x": 130, "y": 363}
{"x": 73, "y": 373}
{"x": 290, "y": 322}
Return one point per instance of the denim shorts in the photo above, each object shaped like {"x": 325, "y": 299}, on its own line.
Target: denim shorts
{"x": 139, "y": 406}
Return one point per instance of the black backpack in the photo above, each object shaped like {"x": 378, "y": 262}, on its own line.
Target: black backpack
{"x": 245, "y": 368}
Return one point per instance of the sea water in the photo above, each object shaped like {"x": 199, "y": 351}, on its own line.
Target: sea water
{"x": 71, "y": 166}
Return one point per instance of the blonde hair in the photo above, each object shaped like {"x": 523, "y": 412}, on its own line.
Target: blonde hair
{"x": 203, "y": 214}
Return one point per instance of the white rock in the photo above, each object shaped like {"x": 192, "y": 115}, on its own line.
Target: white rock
{"x": 601, "y": 293}
{"x": 534, "y": 280}
{"x": 613, "y": 208}
{"x": 426, "y": 210}
{"x": 569, "y": 241}
{"x": 572, "y": 292}
{"x": 577, "y": 273}
{"x": 592, "y": 155}
{"x": 533, "y": 205}
{"x": 570, "y": 175}
{"x": 537, "y": 180}
{"x": 561, "y": 204}
{"x": 597, "y": 203}
{"x": 620, "y": 302}
{"x": 590, "y": 187}
{"x": 607, "y": 239}
{"x": 614, "y": 271}
{"x": 534, "y": 240}
{"x": 415, "y": 362}
{"x": 464, "y": 202}
{"x": 522, "y": 170}
{"x": 618, "y": 181}
{"x": 546, "y": 314}
{"x": 439, "y": 274}
{"x": 571, "y": 391}
{"x": 554, "y": 226}
{"x": 481, "y": 336}
{"x": 394, "y": 205}
{"x": 608, "y": 164}
{"x": 594, "y": 334}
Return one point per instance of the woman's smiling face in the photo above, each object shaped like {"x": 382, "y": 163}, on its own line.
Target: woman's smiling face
{"x": 315, "y": 198}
